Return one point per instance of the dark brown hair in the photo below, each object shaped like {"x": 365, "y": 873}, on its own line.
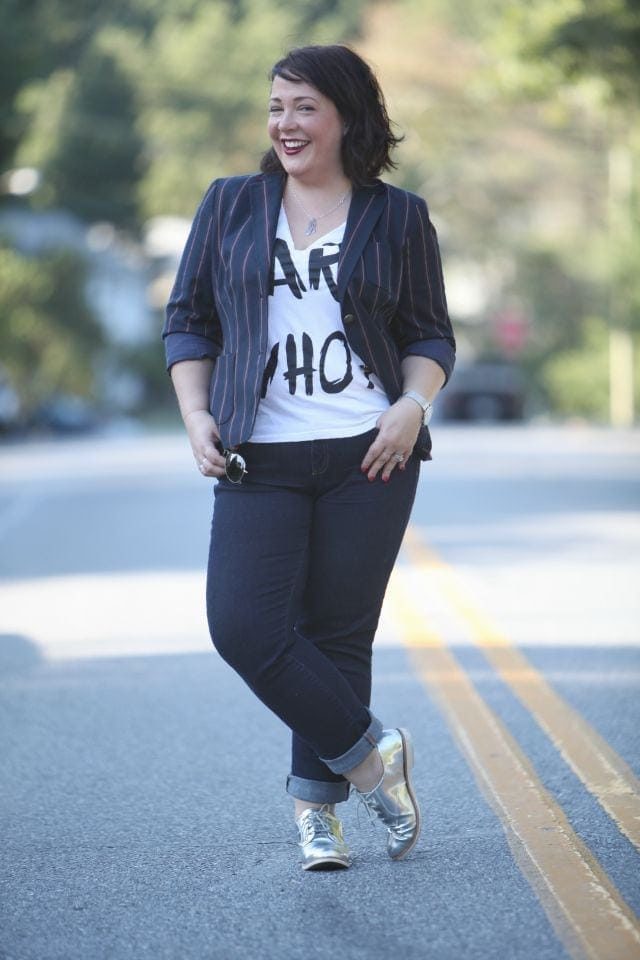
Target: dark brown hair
{"x": 344, "y": 77}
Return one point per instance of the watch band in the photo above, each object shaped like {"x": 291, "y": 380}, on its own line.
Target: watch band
{"x": 425, "y": 405}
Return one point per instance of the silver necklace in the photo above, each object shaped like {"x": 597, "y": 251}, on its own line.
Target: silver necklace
{"x": 312, "y": 226}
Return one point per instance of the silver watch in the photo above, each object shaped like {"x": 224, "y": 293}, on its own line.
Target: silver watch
{"x": 425, "y": 405}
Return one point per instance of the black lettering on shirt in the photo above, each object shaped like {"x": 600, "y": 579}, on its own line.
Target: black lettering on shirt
{"x": 306, "y": 370}
{"x": 292, "y": 278}
{"x": 321, "y": 262}
{"x": 270, "y": 369}
{"x": 335, "y": 386}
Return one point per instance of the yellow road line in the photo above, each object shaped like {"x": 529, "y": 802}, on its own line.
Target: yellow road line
{"x": 603, "y": 772}
{"x": 587, "y": 912}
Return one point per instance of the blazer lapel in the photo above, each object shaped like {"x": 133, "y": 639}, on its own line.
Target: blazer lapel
{"x": 365, "y": 209}
{"x": 266, "y": 197}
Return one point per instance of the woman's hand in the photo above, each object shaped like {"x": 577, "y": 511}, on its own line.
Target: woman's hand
{"x": 203, "y": 435}
{"x": 398, "y": 429}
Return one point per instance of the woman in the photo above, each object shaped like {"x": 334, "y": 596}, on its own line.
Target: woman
{"x": 307, "y": 336}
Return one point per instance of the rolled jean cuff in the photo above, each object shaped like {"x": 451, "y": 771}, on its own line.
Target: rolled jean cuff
{"x": 359, "y": 751}
{"x": 318, "y": 791}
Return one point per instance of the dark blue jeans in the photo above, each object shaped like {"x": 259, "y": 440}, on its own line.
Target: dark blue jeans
{"x": 301, "y": 553}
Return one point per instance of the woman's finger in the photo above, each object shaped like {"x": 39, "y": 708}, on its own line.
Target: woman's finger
{"x": 396, "y": 461}
{"x": 374, "y": 459}
{"x": 211, "y": 464}
{"x": 387, "y": 460}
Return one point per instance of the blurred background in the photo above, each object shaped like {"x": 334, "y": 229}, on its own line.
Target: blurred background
{"x": 521, "y": 127}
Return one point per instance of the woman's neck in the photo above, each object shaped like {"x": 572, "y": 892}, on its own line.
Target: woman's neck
{"x": 321, "y": 190}
{"x": 314, "y": 210}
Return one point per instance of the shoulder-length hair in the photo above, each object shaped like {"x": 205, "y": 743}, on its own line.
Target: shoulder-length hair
{"x": 344, "y": 77}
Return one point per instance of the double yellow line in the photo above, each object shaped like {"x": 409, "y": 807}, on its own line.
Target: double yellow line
{"x": 587, "y": 911}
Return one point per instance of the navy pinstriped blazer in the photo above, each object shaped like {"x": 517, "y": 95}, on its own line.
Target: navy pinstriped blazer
{"x": 390, "y": 289}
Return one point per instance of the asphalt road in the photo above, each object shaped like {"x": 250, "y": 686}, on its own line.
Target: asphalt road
{"x": 142, "y": 796}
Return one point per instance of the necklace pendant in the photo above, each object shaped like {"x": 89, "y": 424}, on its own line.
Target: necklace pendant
{"x": 312, "y": 226}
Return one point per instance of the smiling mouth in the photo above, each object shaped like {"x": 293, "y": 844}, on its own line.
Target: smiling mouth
{"x": 291, "y": 147}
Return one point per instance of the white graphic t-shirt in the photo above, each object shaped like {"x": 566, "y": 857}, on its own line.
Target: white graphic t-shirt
{"x": 314, "y": 385}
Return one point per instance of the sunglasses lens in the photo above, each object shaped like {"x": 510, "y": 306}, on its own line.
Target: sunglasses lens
{"x": 235, "y": 467}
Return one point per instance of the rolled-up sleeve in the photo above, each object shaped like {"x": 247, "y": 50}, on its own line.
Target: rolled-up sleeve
{"x": 421, "y": 325}
{"x": 192, "y": 329}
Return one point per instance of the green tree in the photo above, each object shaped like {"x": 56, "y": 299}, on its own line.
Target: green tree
{"x": 40, "y": 37}
{"x": 97, "y": 160}
{"x": 594, "y": 46}
{"x": 598, "y": 38}
{"x": 577, "y": 380}
{"x": 50, "y": 337}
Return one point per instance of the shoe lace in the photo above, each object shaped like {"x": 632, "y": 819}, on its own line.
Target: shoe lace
{"x": 363, "y": 803}
{"x": 316, "y": 823}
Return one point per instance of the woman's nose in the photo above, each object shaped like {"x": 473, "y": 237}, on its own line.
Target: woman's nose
{"x": 287, "y": 120}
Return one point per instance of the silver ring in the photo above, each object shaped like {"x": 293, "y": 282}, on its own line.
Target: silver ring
{"x": 202, "y": 463}
{"x": 398, "y": 457}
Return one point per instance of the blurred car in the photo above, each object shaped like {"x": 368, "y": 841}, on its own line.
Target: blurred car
{"x": 65, "y": 413}
{"x": 9, "y": 407}
{"x": 484, "y": 391}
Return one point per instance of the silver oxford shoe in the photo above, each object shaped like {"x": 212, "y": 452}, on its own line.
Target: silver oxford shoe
{"x": 393, "y": 800}
{"x": 321, "y": 841}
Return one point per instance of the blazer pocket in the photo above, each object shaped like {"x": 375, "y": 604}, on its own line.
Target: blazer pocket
{"x": 378, "y": 302}
{"x": 378, "y": 267}
{"x": 221, "y": 390}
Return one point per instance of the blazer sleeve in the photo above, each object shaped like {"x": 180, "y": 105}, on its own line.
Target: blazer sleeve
{"x": 421, "y": 325}
{"x": 192, "y": 328}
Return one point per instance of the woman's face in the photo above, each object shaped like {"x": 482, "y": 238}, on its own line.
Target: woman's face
{"x": 306, "y": 131}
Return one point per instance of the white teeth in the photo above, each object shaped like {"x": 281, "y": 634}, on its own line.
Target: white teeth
{"x": 294, "y": 144}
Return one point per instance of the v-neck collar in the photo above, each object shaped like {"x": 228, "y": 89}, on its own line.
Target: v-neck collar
{"x": 283, "y": 218}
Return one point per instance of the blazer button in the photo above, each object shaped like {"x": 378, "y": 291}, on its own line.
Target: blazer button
{"x": 348, "y": 318}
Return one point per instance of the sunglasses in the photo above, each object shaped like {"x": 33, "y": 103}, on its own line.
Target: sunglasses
{"x": 234, "y": 466}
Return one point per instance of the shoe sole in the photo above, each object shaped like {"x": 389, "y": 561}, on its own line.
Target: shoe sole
{"x": 407, "y": 764}
{"x": 328, "y": 864}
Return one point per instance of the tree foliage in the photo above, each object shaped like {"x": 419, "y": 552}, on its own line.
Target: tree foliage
{"x": 594, "y": 38}
{"x": 49, "y": 336}
{"x": 96, "y": 161}
{"x": 587, "y": 53}
{"x": 136, "y": 105}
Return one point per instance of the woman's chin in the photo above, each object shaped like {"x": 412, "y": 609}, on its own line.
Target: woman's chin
{"x": 295, "y": 166}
